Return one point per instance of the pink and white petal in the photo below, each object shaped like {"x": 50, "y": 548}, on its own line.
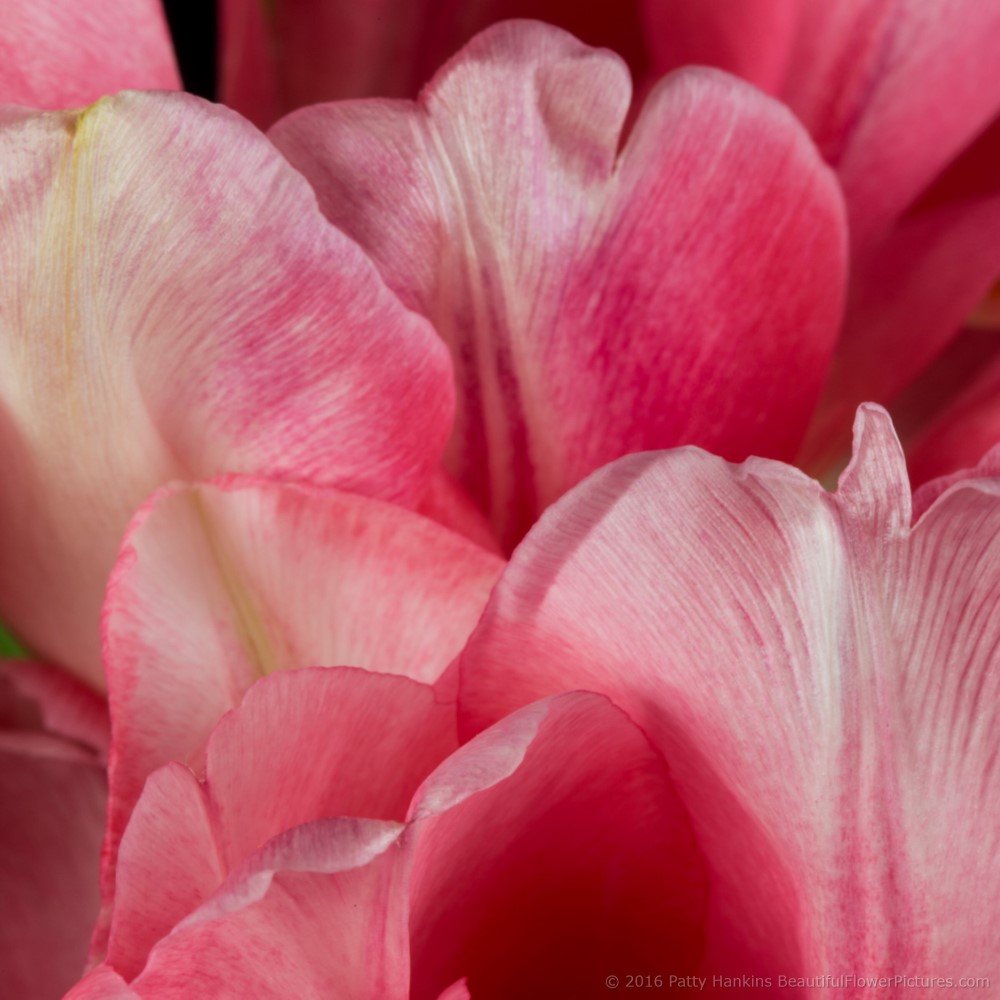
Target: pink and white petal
{"x": 773, "y": 640}
{"x": 589, "y": 310}
{"x": 552, "y": 850}
{"x": 316, "y": 914}
{"x": 219, "y": 585}
{"x": 53, "y": 796}
{"x": 131, "y": 357}
{"x": 59, "y": 55}
{"x": 65, "y": 707}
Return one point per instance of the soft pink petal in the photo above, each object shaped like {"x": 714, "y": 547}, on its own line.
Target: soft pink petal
{"x": 101, "y": 984}
{"x": 552, "y": 851}
{"x": 174, "y": 306}
{"x": 304, "y": 51}
{"x": 52, "y": 804}
{"x": 822, "y": 679}
{"x": 219, "y": 585}
{"x": 64, "y": 55}
{"x": 590, "y": 308}
{"x": 369, "y": 739}
{"x": 558, "y": 830}
{"x": 313, "y": 916}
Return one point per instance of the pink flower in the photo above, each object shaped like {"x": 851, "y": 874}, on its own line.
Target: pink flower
{"x": 900, "y": 96}
{"x": 789, "y": 766}
{"x": 175, "y": 307}
{"x": 596, "y": 302}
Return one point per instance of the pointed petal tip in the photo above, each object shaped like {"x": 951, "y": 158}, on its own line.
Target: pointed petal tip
{"x": 875, "y": 484}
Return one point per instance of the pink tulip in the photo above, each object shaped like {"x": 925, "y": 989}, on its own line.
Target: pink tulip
{"x": 53, "y": 741}
{"x": 221, "y": 584}
{"x": 789, "y": 768}
{"x": 820, "y": 673}
{"x": 174, "y": 306}
{"x": 901, "y": 96}
{"x": 597, "y": 300}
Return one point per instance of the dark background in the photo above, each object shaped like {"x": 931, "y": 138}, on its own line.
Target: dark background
{"x": 194, "y": 27}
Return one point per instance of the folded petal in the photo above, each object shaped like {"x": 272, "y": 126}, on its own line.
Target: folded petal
{"x": 59, "y": 55}
{"x": 132, "y": 354}
{"x": 53, "y": 797}
{"x": 219, "y": 585}
{"x": 590, "y": 307}
{"x": 549, "y": 850}
{"x": 552, "y": 850}
{"x": 313, "y": 916}
{"x": 822, "y": 678}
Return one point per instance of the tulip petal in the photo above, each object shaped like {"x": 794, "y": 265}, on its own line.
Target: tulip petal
{"x": 219, "y": 585}
{"x": 964, "y": 432}
{"x": 313, "y": 925}
{"x": 52, "y": 804}
{"x": 369, "y": 741}
{"x": 891, "y": 90}
{"x": 552, "y": 851}
{"x": 822, "y": 679}
{"x": 589, "y": 309}
{"x": 557, "y": 828}
{"x": 65, "y": 706}
{"x": 59, "y": 55}
{"x": 132, "y": 356}
{"x": 102, "y": 983}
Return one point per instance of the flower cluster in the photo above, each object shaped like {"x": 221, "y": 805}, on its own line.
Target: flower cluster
{"x": 417, "y": 513}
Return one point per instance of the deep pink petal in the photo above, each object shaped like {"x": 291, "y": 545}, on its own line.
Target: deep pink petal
{"x": 909, "y": 298}
{"x": 892, "y": 90}
{"x": 822, "y": 679}
{"x": 64, "y": 706}
{"x": 66, "y": 55}
{"x": 590, "y": 309}
{"x": 175, "y": 307}
{"x": 962, "y": 435}
{"x": 552, "y": 851}
{"x": 219, "y": 585}
{"x": 53, "y": 796}
{"x": 752, "y": 39}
